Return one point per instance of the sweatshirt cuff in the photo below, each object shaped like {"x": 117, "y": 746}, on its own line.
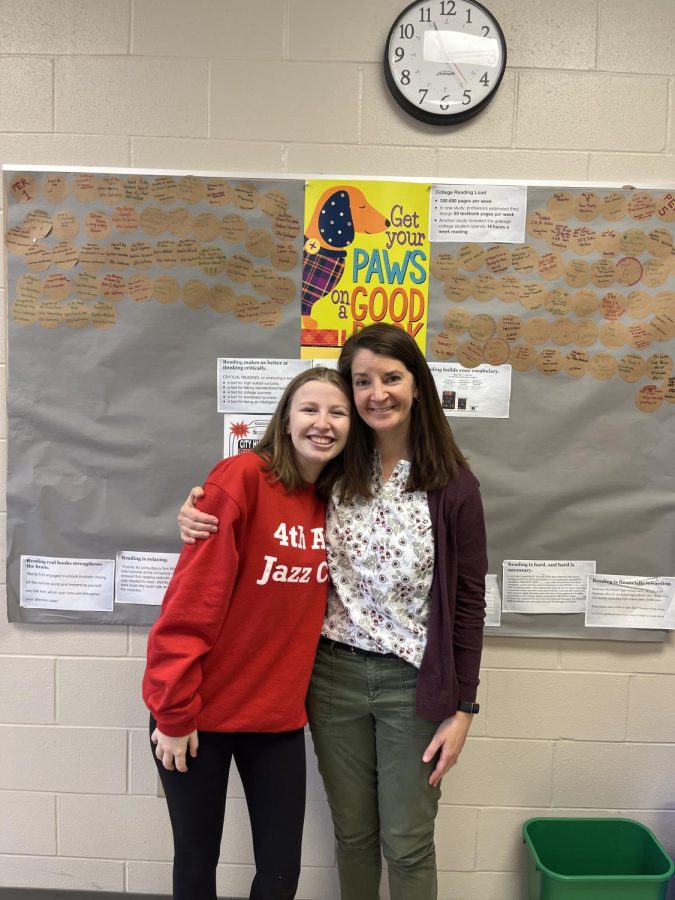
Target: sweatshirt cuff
{"x": 173, "y": 728}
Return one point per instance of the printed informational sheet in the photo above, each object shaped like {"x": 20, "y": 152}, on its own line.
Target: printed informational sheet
{"x": 143, "y": 577}
{"x": 546, "y": 585}
{"x": 364, "y": 260}
{"x": 493, "y": 601}
{"x": 49, "y": 582}
{"x": 625, "y": 601}
{"x": 255, "y": 385}
{"x": 483, "y": 392}
{"x": 469, "y": 212}
{"x": 242, "y": 432}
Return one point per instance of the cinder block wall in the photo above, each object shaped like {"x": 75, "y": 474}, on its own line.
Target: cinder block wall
{"x": 296, "y": 87}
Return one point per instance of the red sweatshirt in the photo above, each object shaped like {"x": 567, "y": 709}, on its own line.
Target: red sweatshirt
{"x": 234, "y": 644}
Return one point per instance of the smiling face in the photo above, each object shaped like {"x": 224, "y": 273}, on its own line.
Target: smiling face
{"x": 384, "y": 390}
{"x": 318, "y": 425}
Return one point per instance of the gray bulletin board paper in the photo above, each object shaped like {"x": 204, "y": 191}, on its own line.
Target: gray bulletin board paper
{"x": 112, "y": 413}
{"x": 124, "y": 289}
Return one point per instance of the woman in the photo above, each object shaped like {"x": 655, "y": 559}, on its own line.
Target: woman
{"x": 393, "y": 689}
{"x": 229, "y": 658}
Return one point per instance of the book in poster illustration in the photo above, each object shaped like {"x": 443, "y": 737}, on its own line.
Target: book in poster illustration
{"x": 365, "y": 260}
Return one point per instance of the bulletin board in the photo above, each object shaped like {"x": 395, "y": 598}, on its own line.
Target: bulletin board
{"x": 124, "y": 288}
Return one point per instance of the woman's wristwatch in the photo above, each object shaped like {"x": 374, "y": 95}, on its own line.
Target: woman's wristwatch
{"x": 468, "y": 707}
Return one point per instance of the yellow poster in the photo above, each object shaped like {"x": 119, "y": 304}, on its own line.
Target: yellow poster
{"x": 365, "y": 260}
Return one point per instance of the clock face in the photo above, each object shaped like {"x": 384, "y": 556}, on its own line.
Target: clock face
{"x": 444, "y": 60}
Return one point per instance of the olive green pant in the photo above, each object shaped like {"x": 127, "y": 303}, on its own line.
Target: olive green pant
{"x": 369, "y": 744}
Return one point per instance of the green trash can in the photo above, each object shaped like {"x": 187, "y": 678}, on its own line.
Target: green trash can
{"x": 594, "y": 859}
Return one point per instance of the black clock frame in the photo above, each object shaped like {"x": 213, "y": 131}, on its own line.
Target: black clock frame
{"x": 439, "y": 119}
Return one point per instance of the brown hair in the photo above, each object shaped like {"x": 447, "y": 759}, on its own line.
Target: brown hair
{"x": 436, "y": 458}
{"x": 276, "y": 447}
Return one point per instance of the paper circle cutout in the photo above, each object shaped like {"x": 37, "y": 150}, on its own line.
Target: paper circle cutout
{"x": 218, "y": 192}
{"x": 164, "y": 189}
{"x": 126, "y": 219}
{"x": 631, "y": 367}
{"x": 118, "y": 255}
{"x": 523, "y": 357}
{"x": 141, "y": 255}
{"x": 273, "y": 203}
{"x": 195, "y": 293}
{"x": 496, "y": 351}
{"x": 136, "y": 188}
{"x": 65, "y": 225}
{"x": 206, "y": 227}
{"x": 649, "y": 398}
{"x": 239, "y": 268}
{"x": 576, "y": 363}
{"x": 166, "y": 289}
{"x": 470, "y": 354}
{"x": 153, "y": 220}
{"x": 603, "y": 366}
{"x": 284, "y": 257}
{"x": 444, "y": 345}
{"x": 222, "y": 298}
{"x": 97, "y": 225}
{"x": 441, "y": 265}
{"x": 109, "y": 188}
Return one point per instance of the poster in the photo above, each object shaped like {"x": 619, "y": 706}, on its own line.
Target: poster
{"x": 143, "y": 577}
{"x": 241, "y": 432}
{"x": 84, "y": 585}
{"x": 483, "y": 392}
{"x": 545, "y": 585}
{"x": 365, "y": 260}
{"x": 255, "y": 385}
{"x": 491, "y": 213}
{"x": 630, "y": 602}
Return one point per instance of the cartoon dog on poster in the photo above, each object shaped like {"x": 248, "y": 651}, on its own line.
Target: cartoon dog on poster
{"x": 340, "y": 214}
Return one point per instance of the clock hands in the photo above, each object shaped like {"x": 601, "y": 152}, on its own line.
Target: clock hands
{"x": 447, "y": 57}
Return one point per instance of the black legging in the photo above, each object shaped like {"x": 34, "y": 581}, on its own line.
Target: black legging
{"x": 272, "y": 770}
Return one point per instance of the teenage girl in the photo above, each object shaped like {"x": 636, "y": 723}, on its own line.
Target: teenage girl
{"x": 230, "y": 657}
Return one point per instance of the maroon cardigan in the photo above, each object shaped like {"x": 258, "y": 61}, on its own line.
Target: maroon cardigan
{"x": 449, "y": 669}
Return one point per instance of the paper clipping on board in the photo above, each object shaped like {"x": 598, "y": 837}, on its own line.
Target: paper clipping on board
{"x": 492, "y": 213}
{"x": 493, "y": 601}
{"x": 483, "y": 392}
{"x": 49, "y": 582}
{"x": 628, "y": 601}
{"x": 324, "y": 363}
{"x": 545, "y": 585}
{"x": 255, "y": 385}
{"x": 242, "y": 432}
{"x": 143, "y": 577}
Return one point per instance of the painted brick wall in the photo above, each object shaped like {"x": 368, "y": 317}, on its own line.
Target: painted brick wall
{"x": 566, "y": 726}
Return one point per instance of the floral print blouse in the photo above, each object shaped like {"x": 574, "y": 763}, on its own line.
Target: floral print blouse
{"x": 381, "y": 558}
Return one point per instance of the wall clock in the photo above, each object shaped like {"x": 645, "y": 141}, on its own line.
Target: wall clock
{"x": 444, "y": 60}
